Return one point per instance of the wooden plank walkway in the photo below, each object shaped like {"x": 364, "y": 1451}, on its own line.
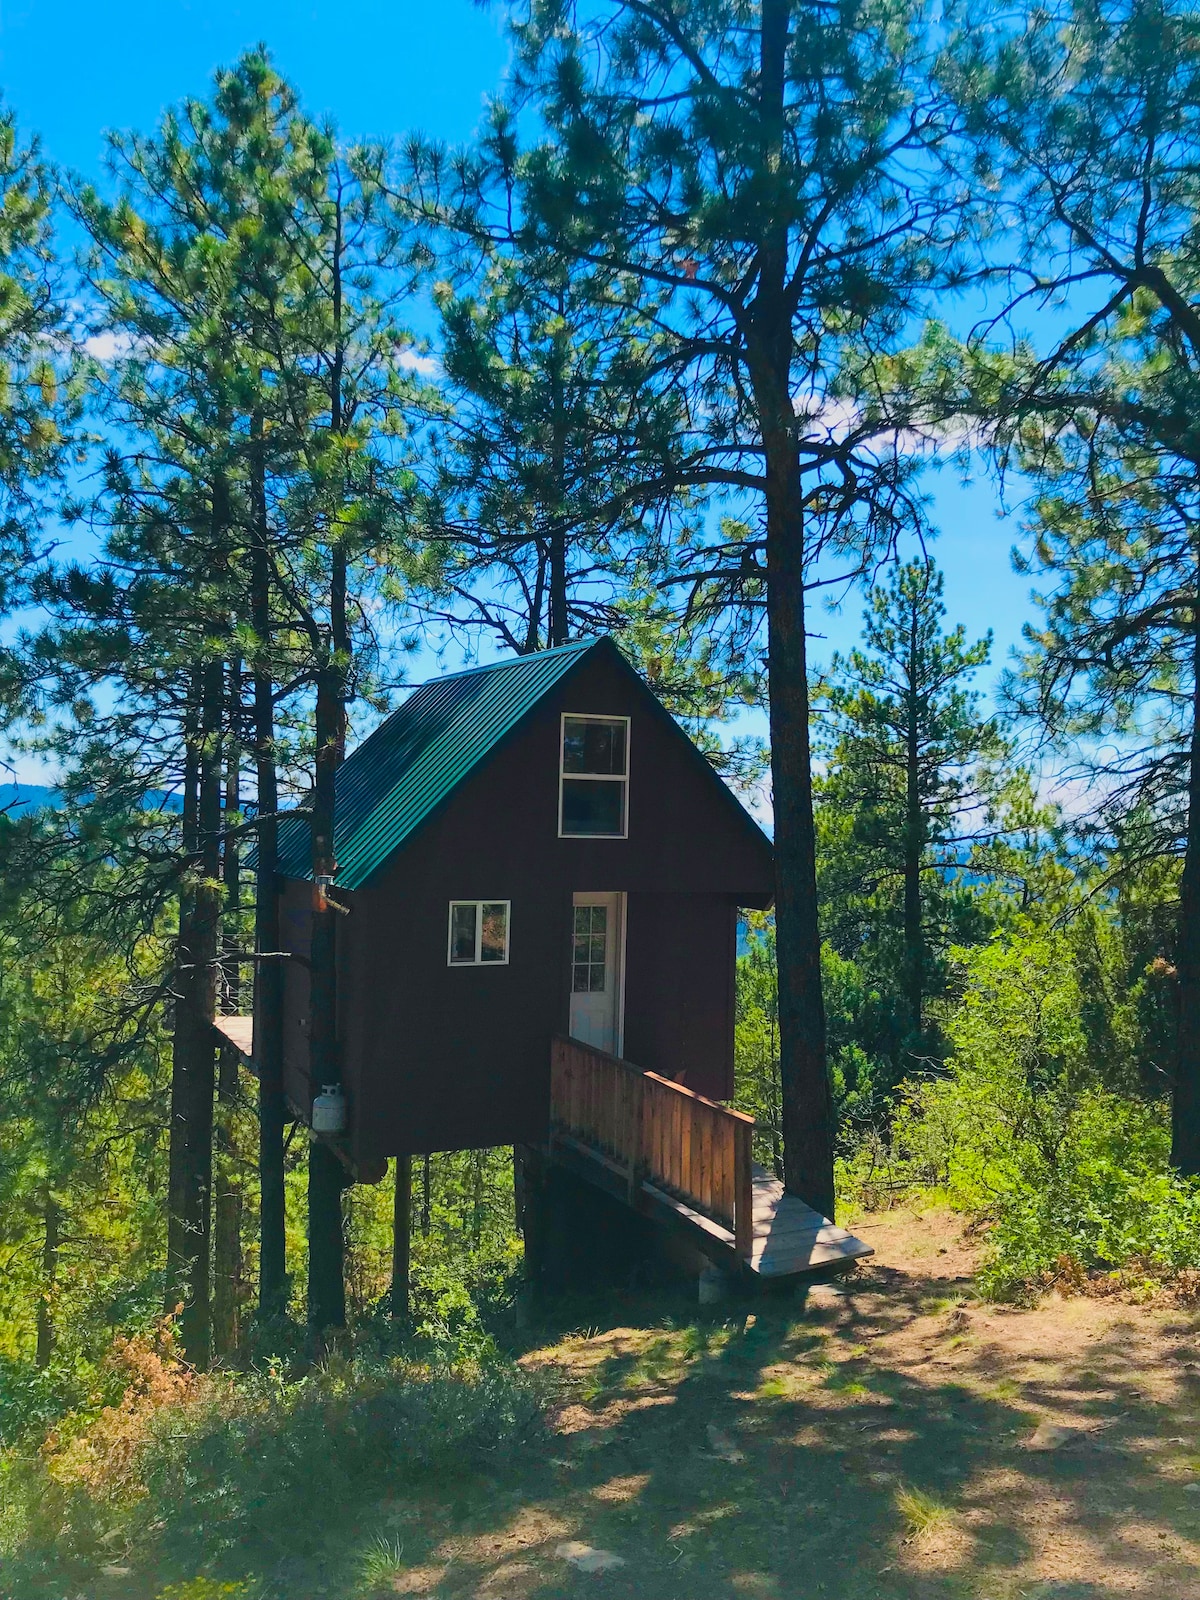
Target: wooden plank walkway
{"x": 790, "y": 1237}
{"x": 237, "y": 1031}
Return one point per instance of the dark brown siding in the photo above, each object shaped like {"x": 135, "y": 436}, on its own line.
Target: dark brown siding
{"x": 679, "y": 989}
{"x": 441, "y": 1058}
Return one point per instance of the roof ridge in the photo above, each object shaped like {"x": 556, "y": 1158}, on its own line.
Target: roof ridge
{"x": 512, "y": 661}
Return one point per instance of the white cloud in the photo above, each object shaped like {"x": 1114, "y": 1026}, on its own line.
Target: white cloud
{"x": 414, "y": 361}
{"x": 110, "y": 345}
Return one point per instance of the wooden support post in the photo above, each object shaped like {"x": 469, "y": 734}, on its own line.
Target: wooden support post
{"x": 743, "y": 1189}
{"x": 633, "y": 1135}
{"x": 401, "y": 1232}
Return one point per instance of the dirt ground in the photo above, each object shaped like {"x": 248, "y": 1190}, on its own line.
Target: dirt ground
{"x": 883, "y": 1436}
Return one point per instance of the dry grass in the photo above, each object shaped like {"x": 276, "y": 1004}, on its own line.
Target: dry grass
{"x": 923, "y": 1515}
{"x": 886, "y": 1438}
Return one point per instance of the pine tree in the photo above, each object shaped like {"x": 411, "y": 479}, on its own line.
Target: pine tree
{"x": 1089, "y": 120}
{"x": 912, "y": 781}
{"x": 543, "y": 463}
{"x": 41, "y": 383}
{"x": 773, "y": 175}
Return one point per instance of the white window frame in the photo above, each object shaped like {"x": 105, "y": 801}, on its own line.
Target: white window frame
{"x": 592, "y": 777}
{"x": 486, "y": 900}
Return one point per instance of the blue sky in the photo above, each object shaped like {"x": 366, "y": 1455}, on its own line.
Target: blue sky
{"x": 381, "y": 68}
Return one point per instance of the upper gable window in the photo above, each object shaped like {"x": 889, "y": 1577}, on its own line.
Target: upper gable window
{"x": 594, "y": 778}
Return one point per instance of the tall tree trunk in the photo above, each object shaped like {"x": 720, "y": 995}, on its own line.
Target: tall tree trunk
{"x": 194, "y": 1044}
{"x": 268, "y": 975}
{"x": 560, "y": 628}
{"x": 51, "y": 1229}
{"x": 426, "y": 1196}
{"x": 326, "y": 1272}
{"x": 1185, "y": 1109}
{"x": 227, "y": 1241}
{"x": 914, "y": 849}
{"x": 401, "y": 1237}
{"x": 326, "y": 1288}
{"x": 807, "y": 1107}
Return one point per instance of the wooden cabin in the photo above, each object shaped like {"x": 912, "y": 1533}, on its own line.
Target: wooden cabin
{"x": 527, "y": 849}
{"x": 542, "y": 876}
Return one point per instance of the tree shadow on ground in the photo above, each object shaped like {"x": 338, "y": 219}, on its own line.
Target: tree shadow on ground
{"x": 873, "y": 1439}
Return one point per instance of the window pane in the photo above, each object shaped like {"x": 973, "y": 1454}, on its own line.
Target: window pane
{"x": 583, "y": 920}
{"x": 580, "y": 981}
{"x": 462, "y": 932}
{"x": 593, "y": 808}
{"x": 590, "y": 746}
{"x": 597, "y": 984}
{"x": 494, "y": 943}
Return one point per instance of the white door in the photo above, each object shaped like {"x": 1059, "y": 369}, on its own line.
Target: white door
{"x": 598, "y": 970}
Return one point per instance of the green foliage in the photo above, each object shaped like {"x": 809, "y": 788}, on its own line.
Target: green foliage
{"x": 1020, "y": 1131}
{"x": 851, "y": 1013}
{"x": 81, "y": 1128}
{"x": 205, "y": 1475}
{"x": 911, "y": 780}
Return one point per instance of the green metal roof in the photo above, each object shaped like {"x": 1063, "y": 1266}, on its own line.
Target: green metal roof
{"x": 424, "y": 750}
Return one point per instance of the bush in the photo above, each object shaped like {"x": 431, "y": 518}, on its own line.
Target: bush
{"x": 1071, "y": 1178}
{"x": 233, "y": 1474}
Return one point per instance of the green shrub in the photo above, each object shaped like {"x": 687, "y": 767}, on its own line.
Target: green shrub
{"x": 234, "y": 1474}
{"x": 1018, "y": 1132}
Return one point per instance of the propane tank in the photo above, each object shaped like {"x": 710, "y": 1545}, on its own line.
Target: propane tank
{"x": 329, "y": 1110}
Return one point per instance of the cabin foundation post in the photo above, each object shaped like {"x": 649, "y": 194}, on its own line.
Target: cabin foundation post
{"x": 401, "y": 1237}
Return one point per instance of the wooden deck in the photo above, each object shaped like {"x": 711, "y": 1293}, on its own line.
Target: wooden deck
{"x": 672, "y": 1153}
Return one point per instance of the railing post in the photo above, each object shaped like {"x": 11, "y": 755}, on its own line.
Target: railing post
{"x": 635, "y": 1137}
{"x": 743, "y": 1189}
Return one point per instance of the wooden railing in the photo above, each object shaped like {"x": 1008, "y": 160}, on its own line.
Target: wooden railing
{"x": 647, "y": 1129}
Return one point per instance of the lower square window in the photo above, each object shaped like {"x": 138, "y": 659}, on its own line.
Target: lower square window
{"x": 478, "y": 933}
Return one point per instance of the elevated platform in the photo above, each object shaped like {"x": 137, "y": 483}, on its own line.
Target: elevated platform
{"x": 675, "y": 1155}
{"x": 669, "y": 1154}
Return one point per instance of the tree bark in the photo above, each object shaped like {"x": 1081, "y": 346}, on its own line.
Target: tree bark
{"x": 268, "y": 977}
{"x": 227, "y": 1237}
{"x": 194, "y": 1044}
{"x": 326, "y": 1289}
{"x": 914, "y": 849}
{"x": 559, "y": 630}
{"x": 51, "y": 1226}
{"x": 401, "y": 1237}
{"x": 326, "y": 1280}
{"x": 807, "y": 1106}
{"x": 227, "y": 1241}
{"x": 1185, "y": 1107}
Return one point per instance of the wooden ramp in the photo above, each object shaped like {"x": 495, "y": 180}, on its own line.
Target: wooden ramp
{"x": 790, "y": 1237}
{"x": 237, "y": 1031}
{"x": 672, "y": 1153}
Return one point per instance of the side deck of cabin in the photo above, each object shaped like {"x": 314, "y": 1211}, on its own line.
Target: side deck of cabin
{"x": 671, "y": 1155}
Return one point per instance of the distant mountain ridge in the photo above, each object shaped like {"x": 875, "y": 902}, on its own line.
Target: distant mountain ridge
{"x": 19, "y": 799}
